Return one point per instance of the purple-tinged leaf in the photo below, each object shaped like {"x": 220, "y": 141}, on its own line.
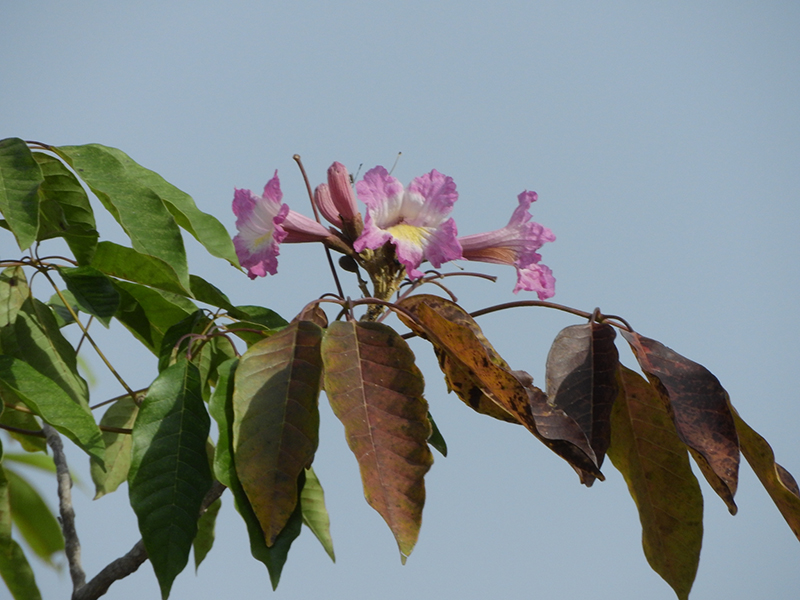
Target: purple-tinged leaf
{"x": 699, "y": 407}
{"x": 375, "y": 389}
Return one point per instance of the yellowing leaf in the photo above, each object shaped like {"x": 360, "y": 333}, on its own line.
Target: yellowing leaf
{"x": 778, "y": 482}
{"x": 646, "y": 449}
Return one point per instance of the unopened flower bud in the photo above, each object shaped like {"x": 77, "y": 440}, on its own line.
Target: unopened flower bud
{"x": 342, "y": 191}
{"x": 323, "y": 200}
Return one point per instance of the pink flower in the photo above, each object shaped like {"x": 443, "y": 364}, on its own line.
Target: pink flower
{"x": 516, "y": 244}
{"x": 413, "y": 220}
{"x": 263, "y": 223}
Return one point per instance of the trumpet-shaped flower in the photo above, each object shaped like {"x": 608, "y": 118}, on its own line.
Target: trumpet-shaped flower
{"x": 516, "y": 244}
{"x": 263, "y": 223}
{"x": 414, "y": 220}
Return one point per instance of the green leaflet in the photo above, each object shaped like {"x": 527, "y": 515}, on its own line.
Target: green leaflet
{"x": 436, "y": 440}
{"x": 93, "y": 291}
{"x": 13, "y": 293}
{"x": 141, "y": 212}
{"x": 65, "y": 210}
{"x": 33, "y": 518}
{"x": 22, "y": 420}
{"x": 126, "y": 263}
{"x": 148, "y": 313}
{"x": 14, "y": 567}
{"x": 221, "y": 408}
{"x": 169, "y": 474}
{"x": 315, "y": 515}
{"x": 121, "y": 414}
{"x": 20, "y": 178}
{"x": 204, "y": 539}
{"x": 49, "y": 401}
{"x": 37, "y": 339}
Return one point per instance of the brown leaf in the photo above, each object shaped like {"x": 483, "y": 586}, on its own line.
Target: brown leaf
{"x": 276, "y": 420}
{"x": 458, "y": 379}
{"x": 581, "y": 377}
{"x": 375, "y": 390}
{"x": 482, "y": 369}
{"x": 646, "y": 449}
{"x": 699, "y": 408}
{"x": 315, "y": 314}
{"x": 778, "y": 482}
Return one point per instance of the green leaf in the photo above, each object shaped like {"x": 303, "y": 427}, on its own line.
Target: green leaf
{"x": 436, "y": 440}
{"x": 22, "y": 420}
{"x": 93, "y": 291}
{"x": 117, "y": 457}
{"x": 42, "y": 462}
{"x": 65, "y": 209}
{"x": 149, "y": 313}
{"x": 315, "y": 515}
{"x": 14, "y": 567}
{"x": 96, "y": 163}
{"x": 169, "y": 474}
{"x": 208, "y": 293}
{"x": 375, "y": 390}
{"x": 33, "y": 518}
{"x": 13, "y": 293}
{"x": 699, "y": 407}
{"x": 259, "y": 314}
{"x": 175, "y": 339}
{"x": 20, "y": 178}
{"x": 204, "y": 539}
{"x": 221, "y": 408}
{"x": 778, "y": 482}
{"x": 61, "y": 313}
{"x": 126, "y": 263}
{"x": 49, "y": 401}
{"x": 123, "y": 188}
{"x": 276, "y": 420}
{"x": 646, "y": 449}
{"x": 37, "y": 339}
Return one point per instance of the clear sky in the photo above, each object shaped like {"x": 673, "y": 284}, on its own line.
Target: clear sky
{"x": 663, "y": 140}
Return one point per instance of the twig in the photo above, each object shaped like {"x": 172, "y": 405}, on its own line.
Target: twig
{"x": 130, "y": 562}
{"x": 72, "y": 545}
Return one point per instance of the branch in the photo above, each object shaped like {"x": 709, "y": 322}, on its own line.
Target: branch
{"x": 125, "y": 565}
{"x": 72, "y": 545}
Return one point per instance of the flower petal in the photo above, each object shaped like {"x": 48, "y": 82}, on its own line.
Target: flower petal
{"x": 259, "y": 220}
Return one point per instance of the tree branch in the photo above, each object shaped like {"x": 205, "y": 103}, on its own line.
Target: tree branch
{"x": 130, "y": 562}
{"x": 72, "y": 545}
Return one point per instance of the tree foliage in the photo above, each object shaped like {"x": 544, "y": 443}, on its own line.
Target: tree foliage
{"x": 260, "y": 377}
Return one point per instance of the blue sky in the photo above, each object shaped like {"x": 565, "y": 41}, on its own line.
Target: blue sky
{"x": 664, "y": 143}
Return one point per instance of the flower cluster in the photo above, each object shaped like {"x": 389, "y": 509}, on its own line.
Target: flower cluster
{"x": 413, "y": 220}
